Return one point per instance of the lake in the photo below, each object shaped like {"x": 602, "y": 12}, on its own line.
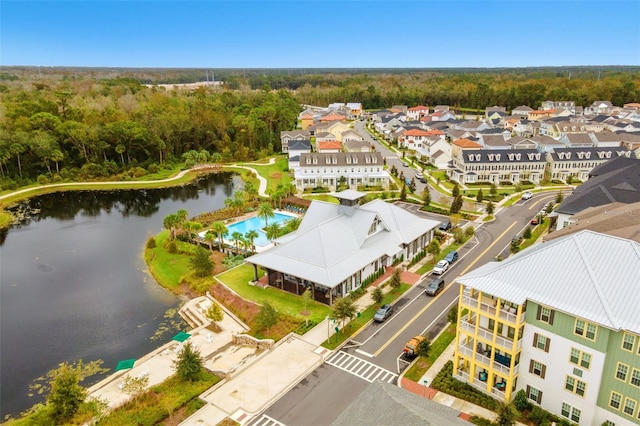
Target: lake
{"x": 74, "y": 284}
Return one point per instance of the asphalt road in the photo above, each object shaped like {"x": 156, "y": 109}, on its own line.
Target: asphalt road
{"x": 376, "y": 352}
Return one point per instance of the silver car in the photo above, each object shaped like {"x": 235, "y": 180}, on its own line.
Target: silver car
{"x": 441, "y": 267}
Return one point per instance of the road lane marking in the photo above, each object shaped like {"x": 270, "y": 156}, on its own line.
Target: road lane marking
{"x": 358, "y": 351}
{"x": 354, "y": 365}
{"x": 415, "y": 317}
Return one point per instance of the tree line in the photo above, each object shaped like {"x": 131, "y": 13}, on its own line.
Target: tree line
{"x": 80, "y": 126}
{"x": 85, "y": 129}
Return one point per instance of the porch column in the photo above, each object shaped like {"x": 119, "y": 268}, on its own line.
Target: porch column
{"x": 255, "y": 272}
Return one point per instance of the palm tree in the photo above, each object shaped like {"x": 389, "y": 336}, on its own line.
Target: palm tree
{"x": 210, "y": 237}
{"x": 236, "y": 237}
{"x": 251, "y": 236}
{"x": 238, "y": 201}
{"x": 265, "y": 211}
{"x": 220, "y": 229}
{"x": 170, "y": 223}
{"x": 181, "y": 217}
{"x": 273, "y": 231}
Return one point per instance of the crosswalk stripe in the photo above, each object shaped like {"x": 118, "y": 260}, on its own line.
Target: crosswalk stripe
{"x": 265, "y": 420}
{"x": 360, "y": 368}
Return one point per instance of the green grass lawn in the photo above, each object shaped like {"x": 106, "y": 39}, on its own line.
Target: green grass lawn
{"x": 438, "y": 346}
{"x": 321, "y": 197}
{"x": 238, "y": 279}
{"x": 274, "y": 173}
{"x": 535, "y": 234}
{"x": 168, "y": 268}
{"x": 152, "y": 407}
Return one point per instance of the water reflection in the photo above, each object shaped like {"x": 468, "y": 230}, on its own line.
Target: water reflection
{"x": 73, "y": 284}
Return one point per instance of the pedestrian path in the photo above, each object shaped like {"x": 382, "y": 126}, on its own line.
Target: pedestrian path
{"x": 360, "y": 368}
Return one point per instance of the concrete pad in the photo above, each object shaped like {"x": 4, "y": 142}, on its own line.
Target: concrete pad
{"x": 445, "y": 399}
{"x": 255, "y": 387}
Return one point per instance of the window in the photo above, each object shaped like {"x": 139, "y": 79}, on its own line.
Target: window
{"x": 614, "y": 402}
{"x": 574, "y": 385}
{"x": 570, "y": 412}
{"x": 635, "y": 377}
{"x": 580, "y": 358}
{"x": 537, "y": 368}
{"x": 629, "y": 406}
{"x": 585, "y": 329}
{"x": 534, "y": 394}
{"x": 545, "y": 314}
{"x": 628, "y": 341}
{"x": 541, "y": 342}
{"x": 621, "y": 372}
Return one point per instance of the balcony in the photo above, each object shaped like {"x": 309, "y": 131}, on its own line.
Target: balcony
{"x": 485, "y": 360}
{"x": 486, "y": 334}
{"x": 488, "y": 307}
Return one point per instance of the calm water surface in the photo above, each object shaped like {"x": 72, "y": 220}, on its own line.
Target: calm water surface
{"x": 73, "y": 283}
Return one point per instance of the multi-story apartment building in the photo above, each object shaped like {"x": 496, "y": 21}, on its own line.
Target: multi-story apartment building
{"x": 512, "y": 165}
{"x": 559, "y": 321}
{"x": 328, "y": 169}
{"x": 577, "y": 163}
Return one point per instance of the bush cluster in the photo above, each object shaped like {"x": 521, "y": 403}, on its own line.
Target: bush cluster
{"x": 447, "y": 384}
{"x": 371, "y": 278}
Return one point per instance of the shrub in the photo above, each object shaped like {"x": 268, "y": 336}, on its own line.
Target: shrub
{"x": 520, "y": 401}
{"x": 43, "y": 180}
{"x": 151, "y": 243}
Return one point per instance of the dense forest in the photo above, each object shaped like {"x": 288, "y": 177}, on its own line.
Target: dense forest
{"x": 83, "y": 124}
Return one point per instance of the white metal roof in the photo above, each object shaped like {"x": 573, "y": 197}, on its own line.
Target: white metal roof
{"x": 590, "y": 275}
{"x": 330, "y": 246}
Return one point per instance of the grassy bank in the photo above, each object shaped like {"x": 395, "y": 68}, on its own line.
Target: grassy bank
{"x": 169, "y": 268}
{"x": 438, "y": 346}
{"x": 238, "y": 279}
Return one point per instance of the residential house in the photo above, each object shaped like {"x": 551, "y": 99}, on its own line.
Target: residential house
{"x": 332, "y": 116}
{"x": 337, "y": 128}
{"x": 307, "y": 118}
{"x": 519, "y": 142}
{"x": 513, "y": 166}
{"x": 475, "y": 126}
{"x": 493, "y": 142}
{"x": 289, "y": 135}
{"x": 577, "y": 140}
{"x": 525, "y": 128}
{"x": 296, "y": 148}
{"x": 522, "y": 111}
{"x": 606, "y": 139}
{"x": 325, "y": 136}
{"x": 442, "y": 115}
{"x": 328, "y": 146}
{"x": 414, "y": 139}
{"x": 615, "y": 219}
{"x": 546, "y": 144}
{"x": 417, "y": 112}
{"x": 327, "y": 169}
{"x": 559, "y": 106}
{"x": 557, "y": 321}
{"x": 489, "y": 112}
{"x": 338, "y": 246}
{"x": 441, "y": 108}
{"x": 600, "y": 108}
{"x": 539, "y": 114}
{"x": 317, "y": 128}
{"x": 354, "y": 145}
{"x": 400, "y": 108}
{"x": 631, "y": 141}
{"x": 453, "y": 134}
{"x": 459, "y": 144}
{"x": 577, "y": 163}
{"x": 350, "y": 135}
{"x": 617, "y": 180}
{"x": 354, "y": 110}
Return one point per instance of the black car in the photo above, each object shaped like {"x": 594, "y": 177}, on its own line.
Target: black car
{"x": 383, "y": 313}
{"x": 445, "y": 226}
{"x": 435, "y": 287}
{"x": 451, "y": 257}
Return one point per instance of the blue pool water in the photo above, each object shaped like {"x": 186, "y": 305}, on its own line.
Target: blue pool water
{"x": 256, "y": 223}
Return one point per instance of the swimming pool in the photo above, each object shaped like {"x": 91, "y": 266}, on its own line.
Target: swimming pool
{"x": 255, "y": 223}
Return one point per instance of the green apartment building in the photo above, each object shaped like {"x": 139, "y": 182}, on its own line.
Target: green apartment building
{"x": 561, "y": 321}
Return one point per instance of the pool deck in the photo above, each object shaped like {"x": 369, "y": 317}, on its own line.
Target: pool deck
{"x": 251, "y": 215}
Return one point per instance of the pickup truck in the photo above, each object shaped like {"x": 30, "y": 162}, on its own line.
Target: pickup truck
{"x": 412, "y": 346}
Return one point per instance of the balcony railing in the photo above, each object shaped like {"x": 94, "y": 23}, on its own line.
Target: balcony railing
{"x": 488, "y": 306}
{"x": 482, "y": 332}
{"x": 486, "y": 361}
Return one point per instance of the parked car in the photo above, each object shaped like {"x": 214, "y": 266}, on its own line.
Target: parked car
{"x": 383, "y": 313}
{"x": 535, "y": 220}
{"x": 420, "y": 177}
{"x": 451, "y": 257}
{"x": 435, "y": 287}
{"x": 404, "y": 164}
{"x": 445, "y": 226}
{"x": 527, "y": 195}
{"x": 441, "y": 267}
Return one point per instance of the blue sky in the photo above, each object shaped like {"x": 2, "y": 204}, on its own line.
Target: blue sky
{"x": 304, "y": 34}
